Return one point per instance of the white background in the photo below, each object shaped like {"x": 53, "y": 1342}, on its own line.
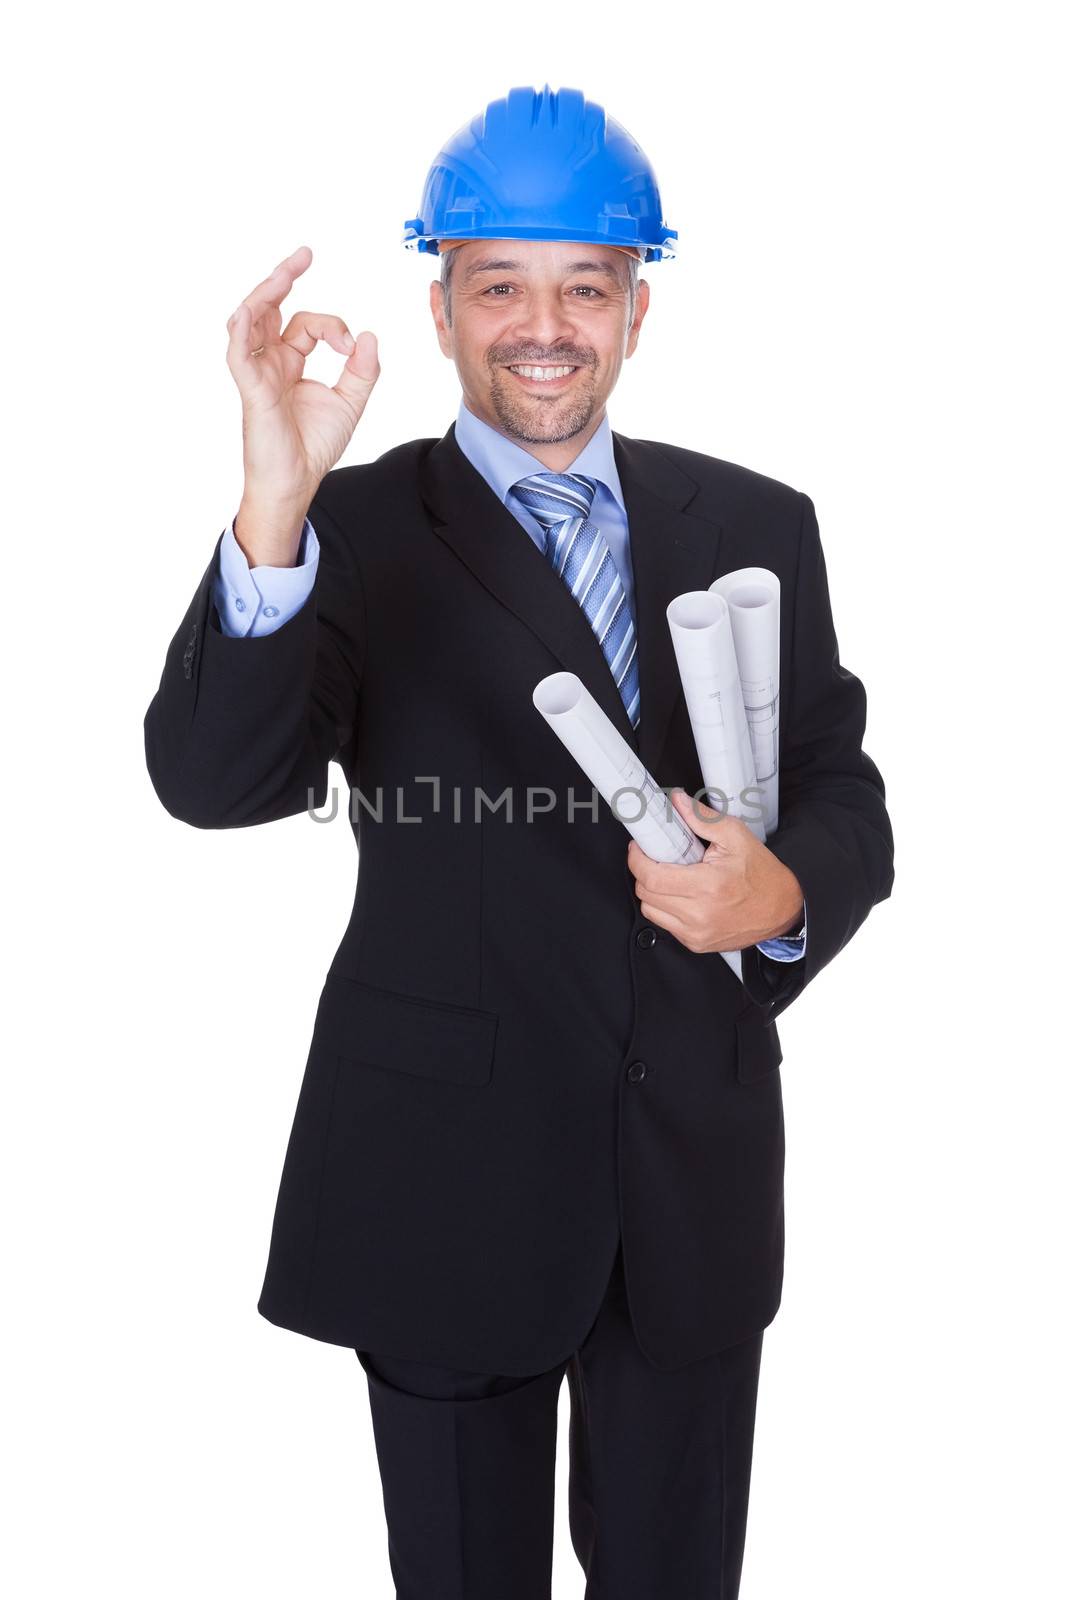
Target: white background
{"x": 867, "y": 304}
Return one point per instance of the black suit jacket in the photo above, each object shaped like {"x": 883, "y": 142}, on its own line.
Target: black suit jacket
{"x": 473, "y": 1129}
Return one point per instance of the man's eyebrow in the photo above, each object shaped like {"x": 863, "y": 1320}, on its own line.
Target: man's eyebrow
{"x": 500, "y": 265}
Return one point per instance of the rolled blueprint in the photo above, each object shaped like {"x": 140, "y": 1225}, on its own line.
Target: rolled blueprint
{"x": 701, "y": 632}
{"x": 619, "y": 775}
{"x": 753, "y": 597}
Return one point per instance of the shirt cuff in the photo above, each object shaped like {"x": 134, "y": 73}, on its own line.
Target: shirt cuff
{"x": 787, "y": 949}
{"x": 253, "y": 601}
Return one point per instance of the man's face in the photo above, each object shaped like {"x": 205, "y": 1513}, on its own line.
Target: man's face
{"x": 547, "y": 304}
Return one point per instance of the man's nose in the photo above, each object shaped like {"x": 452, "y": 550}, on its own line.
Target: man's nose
{"x": 543, "y": 319}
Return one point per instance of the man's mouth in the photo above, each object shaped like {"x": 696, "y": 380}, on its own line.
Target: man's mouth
{"x": 544, "y": 377}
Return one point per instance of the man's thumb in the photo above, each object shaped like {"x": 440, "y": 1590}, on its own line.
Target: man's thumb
{"x": 705, "y": 819}
{"x": 360, "y": 372}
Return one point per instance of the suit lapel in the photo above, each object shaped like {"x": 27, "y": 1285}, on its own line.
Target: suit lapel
{"x": 670, "y": 550}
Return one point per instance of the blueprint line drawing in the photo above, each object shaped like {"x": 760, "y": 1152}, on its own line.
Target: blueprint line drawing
{"x": 702, "y": 636}
{"x": 727, "y": 645}
{"x": 753, "y": 599}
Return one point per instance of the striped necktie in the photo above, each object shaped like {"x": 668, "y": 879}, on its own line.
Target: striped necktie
{"x": 561, "y": 502}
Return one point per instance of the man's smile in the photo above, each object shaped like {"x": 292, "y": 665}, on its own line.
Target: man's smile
{"x": 543, "y": 377}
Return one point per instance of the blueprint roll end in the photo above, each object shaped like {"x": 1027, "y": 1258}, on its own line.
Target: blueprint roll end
{"x": 557, "y": 694}
{"x": 696, "y": 609}
{"x": 750, "y": 596}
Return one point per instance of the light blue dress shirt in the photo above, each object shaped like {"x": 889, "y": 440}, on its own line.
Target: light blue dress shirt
{"x": 257, "y": 600}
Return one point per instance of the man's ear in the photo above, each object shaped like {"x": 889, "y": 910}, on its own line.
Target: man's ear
{"x": 640, "y": 307}
{"x": 437, "y": 309}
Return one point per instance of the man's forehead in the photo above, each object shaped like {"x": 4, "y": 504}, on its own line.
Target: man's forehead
{"x": 509, "y": 255}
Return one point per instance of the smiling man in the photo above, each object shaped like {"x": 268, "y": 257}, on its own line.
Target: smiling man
{"x": 539, "y": 1132}
{"x": 497, "y": 317}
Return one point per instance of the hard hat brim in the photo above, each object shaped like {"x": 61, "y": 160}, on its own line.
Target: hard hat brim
{"x": 663, "y": 248}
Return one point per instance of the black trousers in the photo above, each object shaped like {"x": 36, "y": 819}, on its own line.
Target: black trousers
{"x": 659, "y": 1470}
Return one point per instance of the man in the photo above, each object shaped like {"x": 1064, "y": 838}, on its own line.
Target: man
{"x": 540, "y": 1125}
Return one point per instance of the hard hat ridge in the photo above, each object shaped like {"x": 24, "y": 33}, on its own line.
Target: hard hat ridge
{"x": 542, "y": 164}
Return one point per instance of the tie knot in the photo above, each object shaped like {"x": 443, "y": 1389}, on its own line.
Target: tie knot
{"x": 554, "y": 496}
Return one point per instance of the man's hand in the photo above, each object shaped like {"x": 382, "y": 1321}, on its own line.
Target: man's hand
{"x": 295, "y": 428}
{"x": 740, "y": 894}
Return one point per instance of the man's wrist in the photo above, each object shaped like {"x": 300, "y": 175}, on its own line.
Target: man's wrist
{"x": 792, "y": 923}
{"x": 269, "y": 539}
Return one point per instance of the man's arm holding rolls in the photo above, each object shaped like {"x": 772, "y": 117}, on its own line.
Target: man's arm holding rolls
{"x": 831, "y": 857}
{"x": 834, "y": 831}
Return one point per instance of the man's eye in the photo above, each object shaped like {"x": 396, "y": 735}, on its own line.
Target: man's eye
{"x": 583, "y": 288}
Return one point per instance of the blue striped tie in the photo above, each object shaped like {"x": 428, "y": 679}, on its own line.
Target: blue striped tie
{"x": 561, "y": 502}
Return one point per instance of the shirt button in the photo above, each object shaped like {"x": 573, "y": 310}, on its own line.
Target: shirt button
{"x": 270, "y": 611}
{"x": 636, "y": 1071}
{"x": 646, "y": 938}
{"x": 239, "y": 604}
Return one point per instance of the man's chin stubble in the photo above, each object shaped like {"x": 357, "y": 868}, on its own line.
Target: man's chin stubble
{"x": 540, "y": 424}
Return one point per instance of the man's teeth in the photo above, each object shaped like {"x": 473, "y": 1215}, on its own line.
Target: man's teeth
{"x": 543, "y": 374}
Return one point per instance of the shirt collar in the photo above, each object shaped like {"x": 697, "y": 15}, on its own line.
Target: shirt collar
{"x": 502, "y": 462}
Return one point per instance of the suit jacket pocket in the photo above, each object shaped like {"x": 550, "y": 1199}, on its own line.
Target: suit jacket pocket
{"x": 404, "y": 1033}
{"x": 758, "y": 1049}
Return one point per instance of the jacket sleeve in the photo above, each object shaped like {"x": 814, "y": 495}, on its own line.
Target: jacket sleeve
{"x": 833, "y": 828}
{"x": 242, "y": 730}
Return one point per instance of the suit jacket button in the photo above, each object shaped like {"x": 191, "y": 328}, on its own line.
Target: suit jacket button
{"x": 636, "y": 1071}
{"x": 646, "y": 938}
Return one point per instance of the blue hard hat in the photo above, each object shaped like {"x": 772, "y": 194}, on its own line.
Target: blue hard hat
{"x": 543, "y": 165}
